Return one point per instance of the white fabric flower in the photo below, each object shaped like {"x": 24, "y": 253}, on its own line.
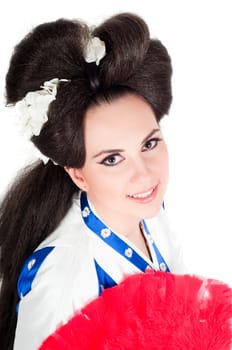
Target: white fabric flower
{"x": 31, "y": 113}
{"x": 95, "y": 50}
{"x": 32, "y": 109}
{"x": 85, "y": 212}
{"x": 105, "y": 232}
{"x": 128, "y": 252}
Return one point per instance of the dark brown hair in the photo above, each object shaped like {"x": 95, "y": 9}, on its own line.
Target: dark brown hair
{"x": 42, "y": 194}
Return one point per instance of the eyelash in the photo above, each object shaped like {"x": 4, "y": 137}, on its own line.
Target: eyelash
{"x": 105, "y": 160}
{"x": 156, "y": 140}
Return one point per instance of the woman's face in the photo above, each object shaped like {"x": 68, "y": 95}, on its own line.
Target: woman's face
{"x": 126, "y": 168}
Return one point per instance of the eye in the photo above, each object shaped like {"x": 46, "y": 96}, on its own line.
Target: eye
{"x": 151, "y": 144}
{"x": 112, "y": 160}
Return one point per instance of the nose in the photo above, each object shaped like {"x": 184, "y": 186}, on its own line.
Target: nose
{"x": 140, "y": 170}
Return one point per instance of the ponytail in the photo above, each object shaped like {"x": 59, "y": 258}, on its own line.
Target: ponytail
{"x": 31, "y": 210}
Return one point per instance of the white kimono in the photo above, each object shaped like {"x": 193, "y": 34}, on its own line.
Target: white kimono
{"x": 72, "y": 266}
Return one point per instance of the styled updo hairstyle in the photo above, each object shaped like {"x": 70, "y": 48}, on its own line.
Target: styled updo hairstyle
{"x": 133, "y": 63}
{"x": 42, "y": 195}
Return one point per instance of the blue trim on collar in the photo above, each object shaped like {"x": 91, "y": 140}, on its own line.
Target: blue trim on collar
{"x": 162, "y": 264}
{"x": 110, "y": 238}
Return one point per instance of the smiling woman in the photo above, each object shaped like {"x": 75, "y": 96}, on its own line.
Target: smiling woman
{"x": 89, "y": 212}
{"x": 129, "y": 157}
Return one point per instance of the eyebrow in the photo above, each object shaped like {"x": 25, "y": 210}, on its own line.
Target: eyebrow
{"x": 154, "y": 131}
{"x": 118, "y": 150}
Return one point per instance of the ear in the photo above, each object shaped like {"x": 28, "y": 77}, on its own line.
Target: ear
{"x": 77, "y": 177}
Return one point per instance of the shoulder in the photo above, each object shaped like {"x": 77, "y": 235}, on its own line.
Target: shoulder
{"x": 56, "y": 280}
{"x": 65, "y": 258}
{"x": 63, "y": 284}
{"x": 71, "y": 231}
{"x": 55, "y": 266}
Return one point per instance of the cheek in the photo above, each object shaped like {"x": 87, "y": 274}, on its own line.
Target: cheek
{"x": 166, "y": 160}
{"x": 163, "y": 175}
{"x": 164, "y": 163}
{"x": 103, "y": 181}
{"x": 166, "y": 173}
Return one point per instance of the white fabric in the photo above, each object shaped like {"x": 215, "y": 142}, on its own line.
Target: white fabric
{"x": 67, "y": 278}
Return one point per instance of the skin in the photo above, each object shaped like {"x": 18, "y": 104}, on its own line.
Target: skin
{"x": 126, "y": 169}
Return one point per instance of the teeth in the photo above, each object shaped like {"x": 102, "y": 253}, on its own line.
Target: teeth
{"x": 142, "y": 195}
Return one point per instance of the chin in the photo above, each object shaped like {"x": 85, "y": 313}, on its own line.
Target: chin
{"x": 151, "y": 212}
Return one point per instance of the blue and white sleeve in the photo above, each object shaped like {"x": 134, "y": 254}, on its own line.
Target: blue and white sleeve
{"x": 52, "y": 286}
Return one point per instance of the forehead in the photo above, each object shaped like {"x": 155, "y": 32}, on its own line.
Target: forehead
{"x": 123, "y": 116}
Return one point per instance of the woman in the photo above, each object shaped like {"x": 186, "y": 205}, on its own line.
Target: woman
{"x": 91, "y": 213}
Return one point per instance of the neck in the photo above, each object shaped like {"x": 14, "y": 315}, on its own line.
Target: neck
{"x": 128, "y": 227}
{"x": 123, "y": 225}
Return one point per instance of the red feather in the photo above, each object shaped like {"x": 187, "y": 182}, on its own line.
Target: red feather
{"x": 158, "y": 311}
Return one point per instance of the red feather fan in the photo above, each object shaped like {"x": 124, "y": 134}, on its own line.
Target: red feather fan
{"x": 152, "y": 311}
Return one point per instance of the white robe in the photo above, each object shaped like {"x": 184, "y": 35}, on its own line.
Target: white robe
{"x": 68, "y": 275}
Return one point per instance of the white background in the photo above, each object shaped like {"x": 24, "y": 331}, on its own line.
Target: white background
{"x": 198, "y": 128}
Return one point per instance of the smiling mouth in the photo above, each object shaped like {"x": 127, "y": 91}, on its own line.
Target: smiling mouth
{"x": 144, "y": 196}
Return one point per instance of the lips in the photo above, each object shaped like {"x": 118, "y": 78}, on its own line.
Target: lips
{"x": 144, "y": 196}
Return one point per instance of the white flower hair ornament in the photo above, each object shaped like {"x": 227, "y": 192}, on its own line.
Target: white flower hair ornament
{"x": 32, "y": 111}
{"x": 95, "y": 50}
